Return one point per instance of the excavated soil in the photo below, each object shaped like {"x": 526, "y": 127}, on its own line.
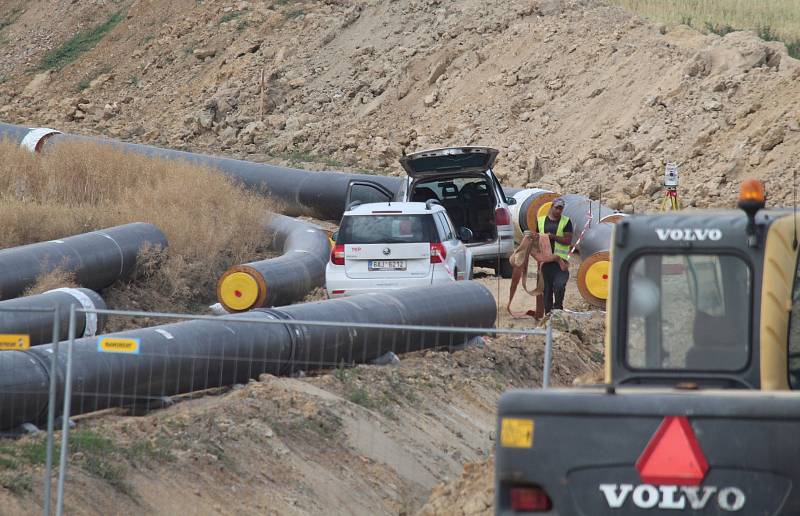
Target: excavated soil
{"x": 364, "y": 440}
{"x": 579, "y": 97}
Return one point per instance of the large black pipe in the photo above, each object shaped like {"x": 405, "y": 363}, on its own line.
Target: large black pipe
{"x": 282, "y": 280}
{"x": 97, "y": 259}
{"x": 320, "y": 194}
{"x": 16, "y": 319}
{"x": 201, "y": 354}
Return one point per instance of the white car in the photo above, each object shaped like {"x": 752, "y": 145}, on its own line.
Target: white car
{"x": 392, "y": 245}
{"x": 461, "y": 179}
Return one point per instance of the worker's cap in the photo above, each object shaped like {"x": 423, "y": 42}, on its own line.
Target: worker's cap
{"x": 559, "y": 202}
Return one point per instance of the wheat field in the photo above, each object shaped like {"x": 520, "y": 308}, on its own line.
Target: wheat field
{"x": 772, "y": 19}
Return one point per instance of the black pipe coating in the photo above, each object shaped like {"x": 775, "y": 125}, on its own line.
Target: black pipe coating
{"x": 201, "y": 354}
{"x": 282, "y": 280}
{"x": 578, "y": 208}
{"x": 97, "y": 259}
{"x": 319, "y": 194}
{"x": 39, "y": 325}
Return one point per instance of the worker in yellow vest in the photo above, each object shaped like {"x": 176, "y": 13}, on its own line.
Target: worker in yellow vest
{"x": 556, "y": 274}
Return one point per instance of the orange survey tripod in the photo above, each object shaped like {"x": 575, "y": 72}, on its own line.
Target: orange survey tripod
{"x": 671, "y": 185}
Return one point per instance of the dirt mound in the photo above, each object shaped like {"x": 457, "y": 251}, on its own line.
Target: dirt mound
{"x": 577, "y": 354}
{"x": 472, "y": 494}
{"x": 579, "y": 96}
{"x": 366, "y": 440}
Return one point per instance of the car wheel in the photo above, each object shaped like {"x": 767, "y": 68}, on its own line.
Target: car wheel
{"x": 504, "y": 269}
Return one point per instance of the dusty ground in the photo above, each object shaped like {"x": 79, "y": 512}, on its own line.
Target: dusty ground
{"x": 578, "y": 96}
{"x": 366, "y": 440}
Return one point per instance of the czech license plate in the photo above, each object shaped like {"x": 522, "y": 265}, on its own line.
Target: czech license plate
{"x": 387, "y": 265}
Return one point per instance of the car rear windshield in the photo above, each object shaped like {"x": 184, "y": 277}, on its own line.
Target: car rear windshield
{"x": 688, "y": 312}
{"x": 387, "y": 229}
{"x": 472, "y": 161}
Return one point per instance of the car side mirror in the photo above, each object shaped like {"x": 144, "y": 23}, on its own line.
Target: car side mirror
{"x": 335, "y": 236}
{"x": 465, "y": 234}
{"x": 511, "y": 201}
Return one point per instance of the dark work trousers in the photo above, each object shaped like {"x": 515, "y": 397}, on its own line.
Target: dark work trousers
{"x": 555, "y": 285}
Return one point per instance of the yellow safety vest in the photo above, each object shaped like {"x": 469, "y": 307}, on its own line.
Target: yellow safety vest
{"x": 560, "y": 250}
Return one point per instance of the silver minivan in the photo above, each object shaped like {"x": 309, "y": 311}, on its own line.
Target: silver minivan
{"x": 462, "y": 181}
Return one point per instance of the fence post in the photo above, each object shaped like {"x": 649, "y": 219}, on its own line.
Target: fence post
{"x": 65, "y": 414}
{"x": 51, "y": 410}
{"x": 548, "y": 352}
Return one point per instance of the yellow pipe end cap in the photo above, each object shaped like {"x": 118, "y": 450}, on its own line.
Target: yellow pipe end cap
{"x": 544, "y": 209}
{"x": 239, "y": 291}
{"x": 597, "y": 279}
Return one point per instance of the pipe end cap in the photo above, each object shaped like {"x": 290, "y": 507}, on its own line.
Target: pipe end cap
{"x": 239, "y": 291}
{"x": 593, "y": 279}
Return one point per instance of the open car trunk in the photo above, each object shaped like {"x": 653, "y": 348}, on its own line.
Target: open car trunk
{"x": 469, "y": 201}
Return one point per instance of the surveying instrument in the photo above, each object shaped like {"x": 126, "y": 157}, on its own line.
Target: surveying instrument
{"x": 671, "y": 188}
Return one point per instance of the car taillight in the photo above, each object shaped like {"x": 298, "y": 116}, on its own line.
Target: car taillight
{"x": 502, "y": 217}
{"x": 337, "y": 255}
{"x": 530, "y": 499}
{"x": 438, "y": 253}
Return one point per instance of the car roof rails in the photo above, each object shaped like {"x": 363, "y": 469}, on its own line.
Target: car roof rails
{"x": 352, "y": 205}
{"x": 431, "y": 202}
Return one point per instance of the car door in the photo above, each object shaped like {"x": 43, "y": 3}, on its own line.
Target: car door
{"x": 455, "y": 248}
{"x": 365, "y": 192}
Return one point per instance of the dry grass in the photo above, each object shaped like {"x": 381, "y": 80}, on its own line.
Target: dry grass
{"x": 210, "y": 222}
{"x": 57, "y": 278}
{"x": 772, "y": 19}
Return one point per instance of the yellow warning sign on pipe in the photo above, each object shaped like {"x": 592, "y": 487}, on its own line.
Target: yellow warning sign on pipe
{"x": 14, "y": 341}
{"x": 118, "y": 345}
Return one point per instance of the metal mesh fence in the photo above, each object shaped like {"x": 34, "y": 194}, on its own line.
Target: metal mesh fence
{"x": 132, "y": 372}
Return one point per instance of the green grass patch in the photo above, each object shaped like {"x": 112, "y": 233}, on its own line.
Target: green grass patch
{"x": 360, "y": 396}
{"x": 35, "y": 452}
{"x": 149, "y": 451}
{"x": 17, "y": 483}
{"x": 78, "y": 44}
{"x": 108, "y": 471}
{"x": 230, "y": 16}
{"x": 296, "y": 157}
{"x": 91, "y": 452}
{"x": 383, "y": 398}
{"x": 324, "y": 424}
{"x": 6, "y": 463}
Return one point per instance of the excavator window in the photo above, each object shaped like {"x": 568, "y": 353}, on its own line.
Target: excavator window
{"x": 688, "y": 312}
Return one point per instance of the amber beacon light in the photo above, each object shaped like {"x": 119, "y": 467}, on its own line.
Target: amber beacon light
{"x": 751, "y": 199}
{"x": 752, "y": 190}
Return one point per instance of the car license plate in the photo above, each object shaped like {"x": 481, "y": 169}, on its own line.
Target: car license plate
{"x": 387, "y": 265}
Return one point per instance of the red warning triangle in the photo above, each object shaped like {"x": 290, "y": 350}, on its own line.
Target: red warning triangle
{"x": 673, "y": 455}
